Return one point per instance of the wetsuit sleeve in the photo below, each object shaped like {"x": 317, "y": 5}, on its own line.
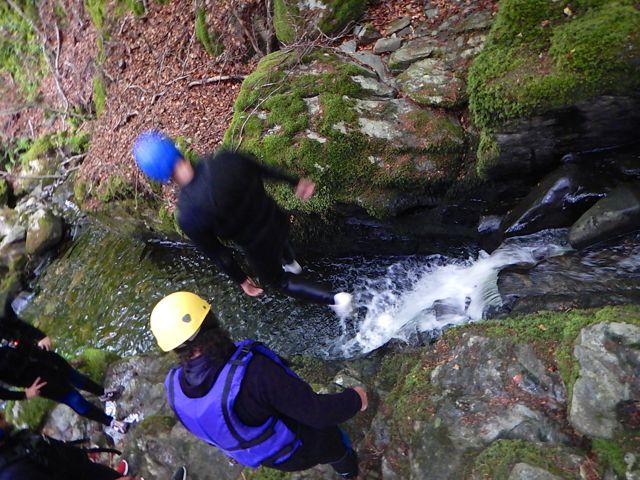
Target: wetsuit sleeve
{"x": 219, "y": 254}
{"x": 6, "y": 394}
{"x": 272, "y": 173}
{"x": 11, "y": 322}
{"x": 294, "y": 398}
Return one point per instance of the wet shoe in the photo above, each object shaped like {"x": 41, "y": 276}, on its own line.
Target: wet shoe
{"x": 181, "y": 474}
{"x": 293, "y": 267}
{"x": 343, "y": 304}
{"x": 123, "y": 468}
{"x": 112, "y": 394}
{"x": 119, "y": 426}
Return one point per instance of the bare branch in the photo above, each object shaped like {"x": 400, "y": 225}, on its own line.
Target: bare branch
{"x": 218, "y": 78}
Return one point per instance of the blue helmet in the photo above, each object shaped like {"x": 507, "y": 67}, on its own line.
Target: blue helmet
{"x": 156, "y": 155}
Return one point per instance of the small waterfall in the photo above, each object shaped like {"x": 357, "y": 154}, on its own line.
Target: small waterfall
{"x": 418, "y": 295}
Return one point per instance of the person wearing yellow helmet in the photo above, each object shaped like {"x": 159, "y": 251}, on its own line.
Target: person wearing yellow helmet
{"x": 244, "y": 399}
{"x": 222, "y": 197}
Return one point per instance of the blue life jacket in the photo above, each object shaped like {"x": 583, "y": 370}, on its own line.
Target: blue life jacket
{"x": 213, "y": 419}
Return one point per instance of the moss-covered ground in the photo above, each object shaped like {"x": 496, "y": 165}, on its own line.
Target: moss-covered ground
{"x": 542, "y": 55}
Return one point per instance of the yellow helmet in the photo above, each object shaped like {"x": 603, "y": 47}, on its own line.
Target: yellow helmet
{"x": 176, "y": 318}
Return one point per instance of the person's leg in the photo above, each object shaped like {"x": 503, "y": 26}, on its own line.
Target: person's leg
{"x": 76, "y": 378}
{"x": 347, "y": 465}
{"x": 61, "y": 392}
{"x": 83, "y": 382}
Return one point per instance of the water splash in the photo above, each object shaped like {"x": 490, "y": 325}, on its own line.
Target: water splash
{"x": 417, "y": 295}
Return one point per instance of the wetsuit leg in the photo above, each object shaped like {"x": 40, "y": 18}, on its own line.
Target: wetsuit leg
{"x": 61, "y": 391}
{"x": 288, "y": 255}
{"x": 82, "y": 382}
{"x": 73, "y": 376}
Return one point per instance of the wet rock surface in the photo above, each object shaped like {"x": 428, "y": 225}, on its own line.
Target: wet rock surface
{"x": 597, "y": 276}
{"x": 609, "y": 358}
{"x": 615, "y": 215}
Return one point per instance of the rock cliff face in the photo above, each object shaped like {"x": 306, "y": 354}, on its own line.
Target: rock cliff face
{"x": 551, "y": 394}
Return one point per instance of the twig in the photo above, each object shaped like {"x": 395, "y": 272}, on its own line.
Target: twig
{"x": 218, "y": 78}
{"x": 156, "y": 96}
{"x": 133, "y": 86}
{"x": 28, "y": 177}
{"x": 73, "y": 158}
{"x": 125, "y": 119}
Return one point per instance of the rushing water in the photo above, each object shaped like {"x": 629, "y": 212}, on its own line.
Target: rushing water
{"x": 100, "y": 291}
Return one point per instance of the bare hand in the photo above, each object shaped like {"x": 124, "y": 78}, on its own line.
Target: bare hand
{"x": 250, "y": 287}
{"x": 34, "y": 389}
{"x": 45, "y": 343}
{"x": 305, "y": 189}
{"x": 363, "y": 397}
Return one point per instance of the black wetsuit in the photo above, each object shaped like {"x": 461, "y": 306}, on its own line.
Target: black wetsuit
{"x": 226, "y": 200}
{"x": 268, "y": 390}
{"x": 29, "y": 456}
{"x": 22, "y": 361}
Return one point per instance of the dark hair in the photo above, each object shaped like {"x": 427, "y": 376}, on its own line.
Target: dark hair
{"x": 212, "y": 340}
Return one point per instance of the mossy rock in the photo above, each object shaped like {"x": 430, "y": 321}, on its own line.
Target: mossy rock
{"x": 294, "y": 20}
{"x": 4, "y": 192}
{"x": 542, "y": 56}
{"x": 306, "y": 114}
{"x": 498, "y": 459}
{"x": 527, "y": 68}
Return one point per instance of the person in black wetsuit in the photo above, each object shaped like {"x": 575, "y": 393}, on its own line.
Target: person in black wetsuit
{"x": 25, "y": 455}
{"x": 26, "y": 360}
{"x": 245, "y": 400}
{"x": 223, "y": 197}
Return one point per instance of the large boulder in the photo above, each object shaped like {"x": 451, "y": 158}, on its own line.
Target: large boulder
{"x": 298, "y": 19}
{"x": 609, "y": 358}
{"x": 583, "y": 91}
{"x": 556, "y": 201}
{"x": 327, "y": 117}
{"x": 590, "y": 278}
{"x": 44, "y": 231}
{"x": 617, "y": 214}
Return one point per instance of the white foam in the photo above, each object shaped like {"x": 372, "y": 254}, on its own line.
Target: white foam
{"x": 425, "y": 296}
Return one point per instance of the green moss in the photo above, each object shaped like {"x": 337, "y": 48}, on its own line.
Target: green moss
{"x": 96, "y": 10}
{"x": 610, "y": 454}
{"x": 94, "y": 362}
{"x": 212, "y": 47}
{"x": 407, "y": 378}
{"x": 285, "y": 14}
{"x": 498, "y": 459}
{"x": 4, "y": 192}
{"x": 99, "y": 94}
{"x": 287, "y": 111}
{"x": 154, "y": 425}
{"x": 488, "y": 151}
{"x": 29, "y": 413}
{"x": 113, "y": 188}
{"x": 80, "y": 191}
{"x": 21, "y": 54}
{"x": 559, "y": 329}
{"x": 264, "y": 473}
{"x": 135, "y": 6}
{"x": 343, "y": 12}
{"x": 313, "y": 370}
{"x": 537, "y": 58}
{"x": 184, "y": 146}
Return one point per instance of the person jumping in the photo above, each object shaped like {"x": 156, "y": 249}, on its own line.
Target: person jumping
{"x": 222, "y": 197}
